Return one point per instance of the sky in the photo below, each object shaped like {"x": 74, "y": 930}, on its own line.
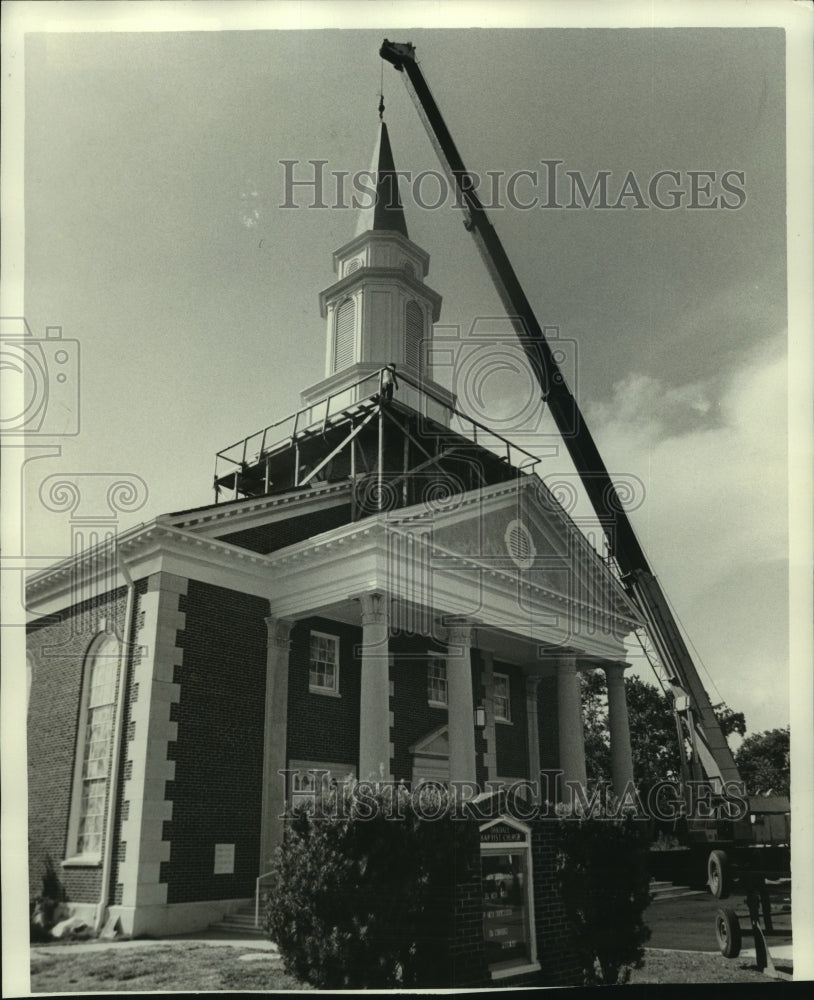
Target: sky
{"x": 155, "y": 237}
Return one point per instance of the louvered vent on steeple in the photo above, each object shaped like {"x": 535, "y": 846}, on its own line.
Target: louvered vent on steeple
{"x": 344, "y": 335}
{"x": 414, "y": 335}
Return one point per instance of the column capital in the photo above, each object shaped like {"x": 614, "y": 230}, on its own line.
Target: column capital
{"x": 567, "y": 664}
{"x": 459, "y": 635}
{"x": 375, "y": 607}
{"x": 532, "y": 683}
{"x": 279, "y": 630}
{"x": 615, "y": 670}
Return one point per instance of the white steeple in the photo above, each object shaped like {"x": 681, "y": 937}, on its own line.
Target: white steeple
{"x": 379, "y": 311}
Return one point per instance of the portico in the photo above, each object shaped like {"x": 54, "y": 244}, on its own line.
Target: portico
{"x": 434, "y": 635}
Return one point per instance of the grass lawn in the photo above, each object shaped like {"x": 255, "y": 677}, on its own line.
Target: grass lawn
{"x": 681, "y": 967}
{"x": 189, "y": 966}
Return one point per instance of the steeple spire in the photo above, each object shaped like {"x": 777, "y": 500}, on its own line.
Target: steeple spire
{"x": 386, "y": 213}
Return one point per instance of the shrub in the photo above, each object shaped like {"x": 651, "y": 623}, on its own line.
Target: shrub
{"x": 367, "y": 901}
{"x": 44, "y": 910}
{"x": 604, "y": 883}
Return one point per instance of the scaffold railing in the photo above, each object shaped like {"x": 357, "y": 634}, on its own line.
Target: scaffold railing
{"x": 346, "y": 403}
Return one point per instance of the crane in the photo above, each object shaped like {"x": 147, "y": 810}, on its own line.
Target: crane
{"x": 704, "y": 748}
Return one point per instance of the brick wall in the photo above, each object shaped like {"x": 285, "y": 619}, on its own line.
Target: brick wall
{"x": 512, "y": 740}
{"x": 413, "y": 717}
{"x": 269, "y": 537}
{"x": 547, "y": 722}
{"x": 216, "y": 793}
{"x": 468, "y": 949}
{"x": 559, "y": 963}
{"x": 322, "y": 727}
{"x": 58, "y": 651}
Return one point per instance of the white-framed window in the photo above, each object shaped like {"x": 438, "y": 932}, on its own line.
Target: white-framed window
{"x": 323, "y": 666}
{"x": 437, "y": 680}
{"x": 501, "y": 697}
{"x": 94, "y": 748}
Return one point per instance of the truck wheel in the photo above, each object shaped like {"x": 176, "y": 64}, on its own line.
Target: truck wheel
{"x": 728, "y": 933}
{"x": 719, "y": 874}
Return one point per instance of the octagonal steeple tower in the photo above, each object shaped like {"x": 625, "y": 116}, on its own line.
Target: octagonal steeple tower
{"x": 379, "y": 310}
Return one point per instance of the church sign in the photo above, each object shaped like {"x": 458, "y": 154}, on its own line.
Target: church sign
{"x": 508, "y": 916}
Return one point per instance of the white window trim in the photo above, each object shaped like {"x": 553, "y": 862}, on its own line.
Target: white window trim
{"x": 332, "y": 692}
{"x": 432, "y": 702}
{"x": 505, "y": 720}
{"x": 72, "y": 857}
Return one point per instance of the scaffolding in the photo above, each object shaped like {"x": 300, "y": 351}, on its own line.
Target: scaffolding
{"x": 391, "y": 453}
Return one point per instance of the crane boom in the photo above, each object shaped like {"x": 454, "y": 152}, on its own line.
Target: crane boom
{"x": 691, "y": 700}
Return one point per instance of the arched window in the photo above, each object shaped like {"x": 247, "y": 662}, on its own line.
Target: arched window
{"x": 344, "y": 335}
{"x": 414, "y": 335}
{"x": 94, "y": 745}
{"x": 29, "y": 677}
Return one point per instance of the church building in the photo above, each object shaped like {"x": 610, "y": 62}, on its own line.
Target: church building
{"x": 383, "y": 588}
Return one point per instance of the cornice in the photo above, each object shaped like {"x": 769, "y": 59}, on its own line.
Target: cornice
{"x": 240, "y": 510}
{"x": 381, "y": 236}
{"x": 145, "y": 550}
{"x": 377, "y": 275}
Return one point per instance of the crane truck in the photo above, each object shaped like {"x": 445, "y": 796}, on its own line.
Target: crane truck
{"x": 725, "y": 844}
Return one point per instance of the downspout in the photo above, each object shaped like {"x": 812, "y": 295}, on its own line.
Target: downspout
{"x": 107, "y": 861}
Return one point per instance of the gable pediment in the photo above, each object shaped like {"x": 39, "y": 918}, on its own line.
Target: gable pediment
{"x": 519, "y": 530}
{"x": 434, "y": 744}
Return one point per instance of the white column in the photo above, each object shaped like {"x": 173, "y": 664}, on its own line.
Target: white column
{"x": 274, "y": 739}
{"x": 621, "y": 753}
{"x": 374, "y": 709}
{"x": 532, "y": 727}
{"x": 460, "y": 708}
{"x": 569, "y": 720}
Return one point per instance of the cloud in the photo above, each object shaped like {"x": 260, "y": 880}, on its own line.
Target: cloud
{"x": 714, "y": 520}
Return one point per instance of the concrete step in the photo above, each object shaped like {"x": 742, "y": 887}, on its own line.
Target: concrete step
{"x": 239, "y": 922}
{"x": 239, "y": 930}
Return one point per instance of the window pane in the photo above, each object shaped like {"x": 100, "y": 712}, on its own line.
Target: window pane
{"x": 98, "y": 732}
{"x": 323, "y": 672}
{"x": 437, "y": 681}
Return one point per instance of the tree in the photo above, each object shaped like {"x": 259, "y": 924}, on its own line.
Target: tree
{"x": 653, "y": 733}
{"x": 730, "y": 722}
{"x": 653, "y": 737}
{"x": 763, "y": 761}
{"x": 595, "y": 725}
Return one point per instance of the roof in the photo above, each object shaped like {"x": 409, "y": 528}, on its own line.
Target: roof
{"x": 386, "y": 212}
